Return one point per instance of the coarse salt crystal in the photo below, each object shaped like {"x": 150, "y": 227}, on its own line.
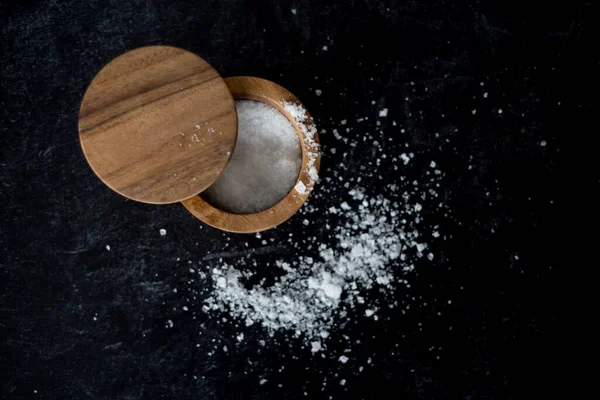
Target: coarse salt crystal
{"x": 300, "y": 187}
{"x": 315, "y": 346}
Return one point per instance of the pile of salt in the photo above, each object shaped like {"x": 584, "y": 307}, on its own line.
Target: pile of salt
{"x": 265, "y": 163}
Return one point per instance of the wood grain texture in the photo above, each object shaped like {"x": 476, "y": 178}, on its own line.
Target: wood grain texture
{"x": 250, "y": 88}
{"x": 158, "y": 124}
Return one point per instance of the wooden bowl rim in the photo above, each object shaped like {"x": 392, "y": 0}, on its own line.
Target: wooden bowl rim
{"x": 249, "y": 88}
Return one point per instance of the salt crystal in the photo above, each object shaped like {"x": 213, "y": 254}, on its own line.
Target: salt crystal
{"x": 432, "y": 164}
{"x": 543, "y": 143}
{"x": 343, "y": 382}
{"x": 331, "y": 290}
{"x": 318, "y": 92}
{"x": 265, "y": 163}
{"x": 499, "y": 111}
{"x": 473, "y": 112}
{"x": 163, "y": 232}
{"x": 294, "y": 11}
{"x": 107, "y": 247}
{"x": 263, "y": 381}
{"x": 315, "y": 346}
{"x": 343, "y": 359}
{"x": 368, "y": 313}
{"x": 300, "y": 187}
{"x": 324, "y": 48}
{"x": 485, "y": 95}
{"x": 383, "y": 112}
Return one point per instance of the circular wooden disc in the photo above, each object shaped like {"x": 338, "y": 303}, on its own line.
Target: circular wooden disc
{"x": 158, "y": 124}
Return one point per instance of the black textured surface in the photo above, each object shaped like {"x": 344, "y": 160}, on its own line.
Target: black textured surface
{"x": 80, "y": 322}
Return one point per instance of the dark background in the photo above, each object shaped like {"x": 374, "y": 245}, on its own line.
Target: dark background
{"x": 80, "y": 322}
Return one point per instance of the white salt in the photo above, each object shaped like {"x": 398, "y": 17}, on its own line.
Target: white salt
{"x": 265, "y": 163}
{"x": 300, "y": 187}
{"x": 383, "y": 112}
{"x": 163, "y": 232}
{"x": 315, "y": 346}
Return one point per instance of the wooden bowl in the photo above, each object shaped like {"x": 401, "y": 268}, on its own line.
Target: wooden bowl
{"x": 250, "y": 88}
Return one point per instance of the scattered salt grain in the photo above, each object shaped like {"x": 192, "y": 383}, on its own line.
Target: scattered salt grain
{"x": 315, "y": 347}
{"x": 485, "y": 95}
{"x": 343, "y": 359}
{"x": 107, "y": 247}
{"x": 324, "y": 48}
{"x": 294, "y": 11}
{"x": 383, "y": 112}
{"x": 318, "y": 92}
{"x": 499, "y": 111}
{"x": 267, "y": 156}
{"x": 263, "y": 381}
{"x": 473, "y": 112}
{"x": 369, "y": 313}
{"x": 163, "y": 232}
{"x": 543, "y": 143}
{"x": 343, "y": 382}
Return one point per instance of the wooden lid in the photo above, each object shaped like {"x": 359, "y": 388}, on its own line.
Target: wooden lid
{"x": 158, "y": 124}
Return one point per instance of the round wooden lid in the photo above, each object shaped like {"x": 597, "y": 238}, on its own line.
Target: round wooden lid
{"x": 158, "y": 124}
